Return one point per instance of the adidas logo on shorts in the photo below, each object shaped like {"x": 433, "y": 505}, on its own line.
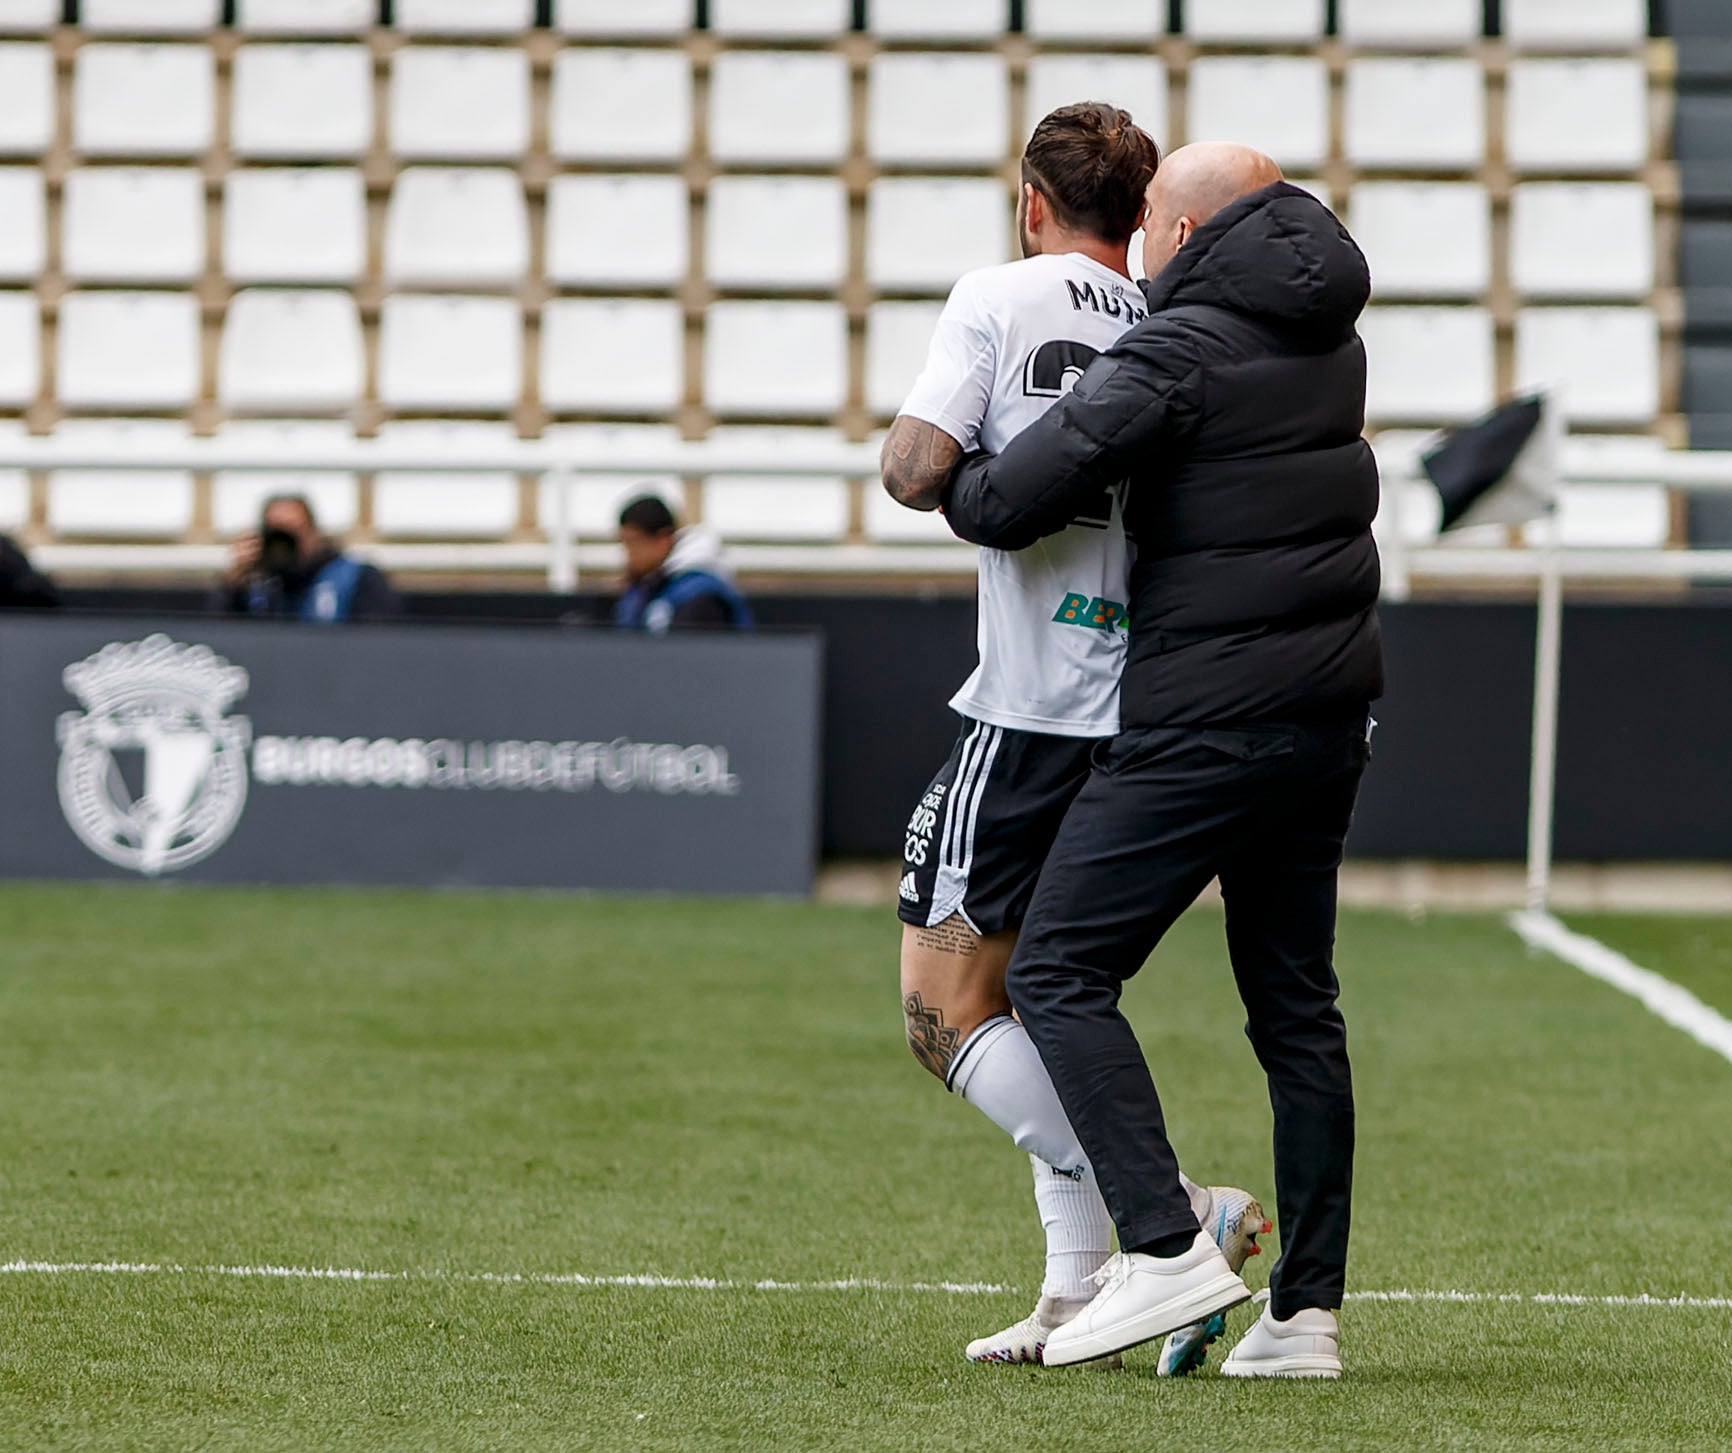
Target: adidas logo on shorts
{"x": 908, "y": 891}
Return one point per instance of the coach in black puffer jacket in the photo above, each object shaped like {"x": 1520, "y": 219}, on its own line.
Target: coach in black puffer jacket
{"x": 1234, "y": 416}
{"x": 1230, "y": 419}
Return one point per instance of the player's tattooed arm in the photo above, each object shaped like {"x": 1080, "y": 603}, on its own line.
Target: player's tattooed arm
{"x": 931, "y": 1039}
{"x": 917, "y": 461}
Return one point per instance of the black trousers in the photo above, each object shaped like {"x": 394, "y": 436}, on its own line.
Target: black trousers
{"x": 1165, "y": 810}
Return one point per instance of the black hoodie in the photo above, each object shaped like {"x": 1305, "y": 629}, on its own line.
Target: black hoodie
{"x": 1232, "y": 417}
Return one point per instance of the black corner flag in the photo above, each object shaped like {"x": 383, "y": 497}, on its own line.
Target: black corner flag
{"x": 1502, "y": 469}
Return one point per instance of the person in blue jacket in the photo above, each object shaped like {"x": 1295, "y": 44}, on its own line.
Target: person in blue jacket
{"x": 289, "y": 570}
{"x": 675, "y": 578}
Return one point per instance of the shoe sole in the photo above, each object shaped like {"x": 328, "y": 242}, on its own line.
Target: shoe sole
{"x": 1242, "y": 1244}
{"x": 1220, "y": 1295}
{"x": 1298, "y": 1364}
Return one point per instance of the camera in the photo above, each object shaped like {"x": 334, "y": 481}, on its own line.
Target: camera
{"x": 279, "y": 552}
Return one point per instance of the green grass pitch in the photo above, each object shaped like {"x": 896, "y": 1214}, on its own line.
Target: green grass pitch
{"x": 450, "y": 1085}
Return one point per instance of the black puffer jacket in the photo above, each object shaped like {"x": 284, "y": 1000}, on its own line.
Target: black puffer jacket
{"x": 1232, "y": 416}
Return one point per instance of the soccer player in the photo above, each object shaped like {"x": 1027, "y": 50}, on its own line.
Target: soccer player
{"x": 1011, "y": 340}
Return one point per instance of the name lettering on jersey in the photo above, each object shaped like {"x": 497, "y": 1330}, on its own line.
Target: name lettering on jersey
{"x": 1109, "y": 302}
{"x": 1092, "y": 613}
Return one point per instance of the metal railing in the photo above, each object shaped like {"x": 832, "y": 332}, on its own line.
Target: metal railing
{"x": 562, "y": 557}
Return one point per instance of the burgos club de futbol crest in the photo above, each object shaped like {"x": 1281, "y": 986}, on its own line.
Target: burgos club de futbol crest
{"x": 153, "y": 774}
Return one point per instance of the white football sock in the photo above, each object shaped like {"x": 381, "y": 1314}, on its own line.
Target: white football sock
{"x": 999, "y": 1071}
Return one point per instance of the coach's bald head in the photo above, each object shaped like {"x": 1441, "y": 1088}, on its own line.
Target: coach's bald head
{"x": 1193, "y": 184}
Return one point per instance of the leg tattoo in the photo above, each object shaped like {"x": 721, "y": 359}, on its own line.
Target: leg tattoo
{"x": 933, "y": 1042}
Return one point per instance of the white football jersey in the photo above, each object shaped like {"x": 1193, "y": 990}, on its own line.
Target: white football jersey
{"x": 1011, "y": 340}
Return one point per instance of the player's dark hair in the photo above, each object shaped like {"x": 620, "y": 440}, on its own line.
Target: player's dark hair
{"x": 1093, "y": 164}
{"x": 649, "y": 514}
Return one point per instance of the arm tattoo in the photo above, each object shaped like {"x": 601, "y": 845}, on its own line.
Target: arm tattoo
{"x": 933, "y": 1041}
{"x": 917, "y": 462}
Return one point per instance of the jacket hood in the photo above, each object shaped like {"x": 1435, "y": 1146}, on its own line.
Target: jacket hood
{"x": 696, "y": 548}
{"x": 1277, "y": 254}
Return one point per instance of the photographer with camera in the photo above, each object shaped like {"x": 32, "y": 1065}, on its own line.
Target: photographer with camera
{"x": 288, "y": 569}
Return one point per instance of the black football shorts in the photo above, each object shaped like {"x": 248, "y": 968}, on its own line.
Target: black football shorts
{"x": 976, "y": 842}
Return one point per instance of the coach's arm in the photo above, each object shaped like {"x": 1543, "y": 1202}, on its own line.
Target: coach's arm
{"x": 1142, "y": 394}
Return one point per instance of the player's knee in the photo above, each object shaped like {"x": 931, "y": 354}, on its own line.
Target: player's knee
{"x": 931, "y": 1040}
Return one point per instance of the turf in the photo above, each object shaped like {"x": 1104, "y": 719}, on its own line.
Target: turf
{"x": 506, "y": 1084}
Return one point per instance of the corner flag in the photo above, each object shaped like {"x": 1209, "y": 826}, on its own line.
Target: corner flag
{"x": 1501, "y": 470}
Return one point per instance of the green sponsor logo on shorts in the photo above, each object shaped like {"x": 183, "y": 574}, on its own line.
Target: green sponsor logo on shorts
{"x": 1092, "y": 613}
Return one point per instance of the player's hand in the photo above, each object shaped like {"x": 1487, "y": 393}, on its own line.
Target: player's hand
{"x": 243, "y": 558}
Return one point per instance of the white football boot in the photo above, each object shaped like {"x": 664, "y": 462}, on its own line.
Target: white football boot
{"x": 1025, "y": 1341}
{"x": 1307, "y": 1344}
{"x": 1144, "y": 1297}
{"x": 1235, "y": 1220}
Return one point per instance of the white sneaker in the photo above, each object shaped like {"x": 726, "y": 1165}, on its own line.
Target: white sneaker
{"x": 1307, "y": 1344}
{"x": 1144, "y": 1297}
{"x": 1235, "y": 1220}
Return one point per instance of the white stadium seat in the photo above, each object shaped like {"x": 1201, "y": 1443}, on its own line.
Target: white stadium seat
{"x": 888, "y": 523}
{"x": 464, "y": 17}
{"x": 774, "y": 507}
{"x": 295, "y": 225}
{"x": 14, "y": 483}
{"x": 1421, "y": 24}
{"x": 1428, "y": 364}
{"x": 306, "y": 101}
{"x": 1138, "y": 84}
{"x": 781, "y": 18}
{"x": 29, "y": 17}
{"x": 1254, "y": 21}
{"x": 1582, "y": 239}
{"x": 120, "y": 503}
{"x": 593, "y": 501}
{"x": 1413, "y": 114}
{"x": 143, "y": 100}
{"x": 1627, "y": 516}
{"x": 460, "y": 102}
{"x": 150, "y": 17}
{"x": 133, "y": 224}
{"x": 483, "y": 505}
{"x": 237, "y": 496}
{"x": 755, "y": 97}
{"x": 27, "y": 105}
{"x": 1424, "y": 239}
{"x": 938, "y": 110}
{"x": 898, "y": 336}
{"x": 128, "y": 350}
{"x": 1576, "y": 115}
{"x": 23, "y": 223}
{"x": 1095, "y": 19}
{"x": 1278, "y": 104}
{"x": 1575, "y": 24}
{"x": 289, "y": 350}
{"x": 449, "y": 352}
{"x": 922, "y": 20}
{"x": 775, "y": 359}
{"x": 922, "y": 233}
{"x": 1604, "y": 362}
{"x": 457, "y": 227}
{"x": 618, "y": 231}
{"x": 305, "y": 17}
{"x": 776, "y": 234}
{"x": 20, "y": 349}
{"x": 621, "y": 105}
{"x": 612, "y": 355}
{"x": 609, "y": 17}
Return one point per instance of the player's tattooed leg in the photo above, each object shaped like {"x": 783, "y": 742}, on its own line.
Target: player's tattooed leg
{"x": 932, "y": 1040}
{"x": 953, "y": 936}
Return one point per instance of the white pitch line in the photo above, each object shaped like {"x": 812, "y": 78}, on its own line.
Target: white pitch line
{"x": 1660, "y": 996}
{"x": 726, "y": 1284}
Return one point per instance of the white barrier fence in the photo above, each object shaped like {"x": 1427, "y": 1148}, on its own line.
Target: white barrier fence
{"x": 562, "y": 557}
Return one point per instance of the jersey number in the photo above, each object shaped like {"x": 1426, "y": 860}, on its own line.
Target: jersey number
{"x": 1051, "y": 372}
